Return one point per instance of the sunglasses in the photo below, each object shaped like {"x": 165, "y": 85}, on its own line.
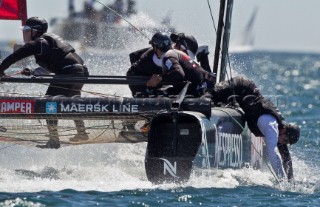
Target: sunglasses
{"x": 25, "y": 28}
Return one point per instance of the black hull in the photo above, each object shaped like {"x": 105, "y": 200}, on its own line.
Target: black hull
{"x": 95, "y": 108}
{"x": 180, "y": 142}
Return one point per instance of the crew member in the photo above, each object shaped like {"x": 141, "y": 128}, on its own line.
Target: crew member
{"x": 177, "y": 66}
{"x": 57, "y": 56}
{"x": 145, "y": 62}
{"x": 189, "y": 45}
{"x": 263, "y": 119}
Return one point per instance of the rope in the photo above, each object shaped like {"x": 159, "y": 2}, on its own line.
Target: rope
{"x": 109, "y": 8}
{"x": 214, "y": 24}
{"x": 85, "y": 91}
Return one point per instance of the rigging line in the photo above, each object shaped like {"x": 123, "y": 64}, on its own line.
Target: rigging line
{"x": 231, "y": 81}
{"x": 143, "y": 34}
{"x": 214, "y": 24}
{"x": 16, "y": 93}
{"x": 264, "y": 160}
{"x": 21, "y": 139}
{"x": 229, "y": 65}
{"x": 103, "y": 95}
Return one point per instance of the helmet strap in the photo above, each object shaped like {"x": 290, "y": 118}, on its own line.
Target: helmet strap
{"x": 32, "y": 34}
{"x": 35, "y": 34}
{"x": 156, "y": 51}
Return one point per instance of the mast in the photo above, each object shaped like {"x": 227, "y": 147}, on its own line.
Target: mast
{"x": 223, "y": 37}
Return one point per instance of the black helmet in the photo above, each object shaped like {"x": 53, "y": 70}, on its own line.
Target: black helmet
{"x": 188, "y": 41}
{"x": 38, "y": 23}
{"x": 161, "y": 41}
{"x": 292, "y": 132}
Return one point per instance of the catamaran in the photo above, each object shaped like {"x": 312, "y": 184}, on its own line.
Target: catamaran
{"x": 182, "y": 133}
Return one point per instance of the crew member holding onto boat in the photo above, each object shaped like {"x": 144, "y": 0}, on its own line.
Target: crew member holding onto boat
{"x": 177, "y": 66}
{"x": 145, "y": 62}
{"x": 263, "y": 119}
{"x": 57, "y": 56}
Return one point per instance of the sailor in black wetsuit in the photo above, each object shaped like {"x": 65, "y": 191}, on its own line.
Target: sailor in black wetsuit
{"x": 177, "y": 66}
{"x": 189, "y": 45}
{"x": 145, "y": 62}
{"x": 57, "y": 56}
{"x": 263, "y": 119}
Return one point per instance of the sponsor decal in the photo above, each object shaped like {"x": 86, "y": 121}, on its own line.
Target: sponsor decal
{"x": 168, "y": 64}
{"x": 168, "y": 167}
{"x": 229, "y": 150}
{"x": 82, "y": 107}
{"x": 256, "y": 151}
{"x": 51, "y": 107}
{"x": 167, "y": 42}
{"x": 17, "y": 106}
{"x": 186, "y": 57}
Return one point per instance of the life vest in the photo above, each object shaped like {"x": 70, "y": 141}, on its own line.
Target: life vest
{"x": 53, "y": 51}
{"x": 251, "y": 101}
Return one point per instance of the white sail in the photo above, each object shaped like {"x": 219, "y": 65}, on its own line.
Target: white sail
{"x": 245, "y": 41}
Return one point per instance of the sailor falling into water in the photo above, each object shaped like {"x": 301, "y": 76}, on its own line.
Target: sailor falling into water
{"x": 263, "y": 119}
{"x": 57, "y": 56}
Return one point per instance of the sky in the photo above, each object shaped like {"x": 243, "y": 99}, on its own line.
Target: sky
{"x": 288, "y": 25}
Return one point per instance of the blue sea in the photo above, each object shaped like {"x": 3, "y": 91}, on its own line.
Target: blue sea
{"x": 113, "y": 174}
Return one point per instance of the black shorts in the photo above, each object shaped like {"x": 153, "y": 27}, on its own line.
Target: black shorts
{"x": 68, "y": 89}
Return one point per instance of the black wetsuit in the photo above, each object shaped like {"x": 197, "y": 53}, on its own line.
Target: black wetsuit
{"x": 177, "y": 67}
{"x": 249, "y": 98}
{"x": 142, "y": 65}
{"x": 57, "y": 56}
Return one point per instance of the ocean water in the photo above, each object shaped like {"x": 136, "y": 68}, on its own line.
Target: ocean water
{"x": 113, "y": 174}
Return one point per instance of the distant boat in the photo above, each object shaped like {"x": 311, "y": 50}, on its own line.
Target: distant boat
{"x": 245, "y": 41}
{"x": 110, "y": 28}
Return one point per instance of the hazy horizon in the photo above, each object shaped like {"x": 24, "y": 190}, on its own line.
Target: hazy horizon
{"x": 280, "y": 24}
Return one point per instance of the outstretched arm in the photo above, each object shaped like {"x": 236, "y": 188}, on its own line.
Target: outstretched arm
{"x": 27, "y": 50}
{"x": 286, "y": 160}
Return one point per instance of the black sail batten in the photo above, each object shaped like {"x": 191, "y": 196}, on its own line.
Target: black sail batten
{"x": 223, "y": 37}
{"x": 85, "y": 80}
{"x": 219, "y": 37}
